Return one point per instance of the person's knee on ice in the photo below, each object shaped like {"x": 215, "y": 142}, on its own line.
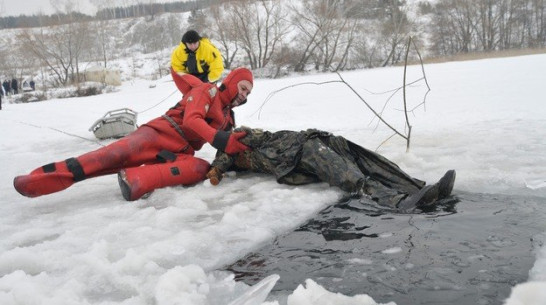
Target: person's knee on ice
{"x": 135, "y": 182}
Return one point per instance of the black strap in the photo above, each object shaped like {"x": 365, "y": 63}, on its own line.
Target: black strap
{"x": 75, "y": 168}
{"x": 176, "y": 127}
{"x": 49, "y": 168}
{"x": 220, "y": 140}
{"x": 165, "y": 155}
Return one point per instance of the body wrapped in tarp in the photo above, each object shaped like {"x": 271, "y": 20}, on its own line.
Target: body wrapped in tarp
{"x": 317, "y": 156}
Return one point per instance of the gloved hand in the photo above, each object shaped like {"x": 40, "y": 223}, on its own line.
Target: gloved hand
{"x": 229, "y": 142}
{"x": 214, "y": 175}
{"x": 233, "y": 145}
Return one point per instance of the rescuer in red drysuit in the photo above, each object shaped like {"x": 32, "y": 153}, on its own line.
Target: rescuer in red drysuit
{"x": 164, "y": 146}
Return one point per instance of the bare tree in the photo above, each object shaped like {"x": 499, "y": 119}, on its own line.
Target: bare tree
{"x": 71, "y": 38}
{"x": 15, "y": 62}
{"x": 521, "y": 23}
{"x": 313, "y": 20}
{"x": 261, "y": 27}
{"x": 453, "y": 26}
{"x": 225, "y": 32}
{"x": 338, "y": 34}
{"x": 488, "y": 25}
{"x": 173, "y": 29}
{"x": 59, "y": 48}
{"x": 343, "y": 43}
{"x": 103, "y": 41}
{"x": 325, "y": 34}
{"x": 197, "y": 21}
{"x": 47, "y": 48}
{"x": 537, "y": 24}
{"x": 395, "y": 30}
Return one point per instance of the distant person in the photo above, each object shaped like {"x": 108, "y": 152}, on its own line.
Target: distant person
{"x": 159, "y": 153}
{"x": 32, "y": 85}
{"x": 7, "y": 87}
{"x": 317, "y": 156}
{"x": 14, "y": 86}
{"x": 197, "y": 56}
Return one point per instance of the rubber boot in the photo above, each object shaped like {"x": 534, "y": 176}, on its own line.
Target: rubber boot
{"x": 135, "y": 182}
{"x": 50, "y": 178}
{"x": 424, "y": 198}
{"x": 446, "y": 184}
{"x": 429, "y": 194}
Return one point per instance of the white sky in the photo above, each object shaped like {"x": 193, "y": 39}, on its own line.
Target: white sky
{"x": 30, "y": 7}
{"x": 86, "y": 245}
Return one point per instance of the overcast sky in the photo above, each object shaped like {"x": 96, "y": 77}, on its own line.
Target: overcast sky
{"x": 30, "y": 7}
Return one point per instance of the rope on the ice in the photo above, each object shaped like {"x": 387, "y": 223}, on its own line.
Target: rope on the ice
{"x": 61, "y": 131}
{"x": 86, "y": 139}
{"x": 160, "y": 102}
{"x": 259, "y": 111}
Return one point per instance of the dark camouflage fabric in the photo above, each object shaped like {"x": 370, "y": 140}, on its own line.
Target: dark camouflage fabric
{"x": 313, "y": 156}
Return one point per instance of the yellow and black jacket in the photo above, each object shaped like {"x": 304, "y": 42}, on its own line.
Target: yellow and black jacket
{"x": 205, "y": 63}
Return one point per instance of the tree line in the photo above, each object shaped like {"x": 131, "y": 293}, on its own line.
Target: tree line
{"x": 275, "y": 37}
{"x": 105, "y": 12}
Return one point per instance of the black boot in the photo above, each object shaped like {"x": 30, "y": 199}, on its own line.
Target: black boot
{"x": 446, "y": 184}
{"x": 424, "y": 198}
{"x": 429, "y": 194}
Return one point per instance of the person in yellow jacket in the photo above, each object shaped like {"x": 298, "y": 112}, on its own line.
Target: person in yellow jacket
{"x": 196, "y": 55}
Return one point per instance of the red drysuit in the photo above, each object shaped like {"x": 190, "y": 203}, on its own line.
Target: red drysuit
{"x": 164, "y": 146}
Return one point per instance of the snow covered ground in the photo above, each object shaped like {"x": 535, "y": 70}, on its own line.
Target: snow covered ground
{"x": 86, "y": 245}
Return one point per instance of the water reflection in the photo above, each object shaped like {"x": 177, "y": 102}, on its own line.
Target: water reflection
{"x": 471, "y": 251}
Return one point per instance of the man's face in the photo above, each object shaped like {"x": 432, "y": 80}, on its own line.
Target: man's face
{"x": 192, "y": 46}
{"x": 244, "y": 88}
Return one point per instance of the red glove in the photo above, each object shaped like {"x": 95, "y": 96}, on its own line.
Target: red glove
{"x": 233, "y": 145}
{"x": 229, "y": 142}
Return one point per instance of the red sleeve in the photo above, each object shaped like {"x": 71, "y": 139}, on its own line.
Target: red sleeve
{"x": 197, "y": 106}
{"x": 185, "y": 82}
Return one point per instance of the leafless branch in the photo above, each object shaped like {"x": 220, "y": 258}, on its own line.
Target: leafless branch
{"x": 378, "y": 115}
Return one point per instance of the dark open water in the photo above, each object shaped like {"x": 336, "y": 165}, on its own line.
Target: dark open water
{"x": 468, "y": 252}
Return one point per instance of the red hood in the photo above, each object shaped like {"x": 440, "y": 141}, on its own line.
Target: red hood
{"x": 228, "y": 89}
